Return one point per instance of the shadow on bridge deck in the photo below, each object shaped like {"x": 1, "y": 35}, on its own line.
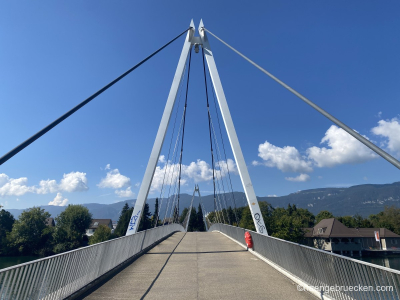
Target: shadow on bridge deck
{"x": 203, "y": 265}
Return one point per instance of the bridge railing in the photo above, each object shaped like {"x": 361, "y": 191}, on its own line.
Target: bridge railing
{"x": 59, "y": 276}
{"x": 338, "y": 276}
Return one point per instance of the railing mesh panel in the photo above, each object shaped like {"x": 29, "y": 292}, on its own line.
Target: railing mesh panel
{"x": 59, "y": 276}
{"x": 319, "y": 268}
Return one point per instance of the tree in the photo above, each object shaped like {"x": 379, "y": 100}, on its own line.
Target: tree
{"x": 200, "y": 221}
{"x": 125, "y": 208}
{"x": 389, "y": 218}
{"x": 356, "y": 221}
{"x": 6, "y": 220}
{"x": 145, "y": 221}
{"x": 246, "y": 221}
{"x": 175, "y": 216}
{"x": 71, "y": 225}
{"x": 288, "y": 223}
{"x": 212, "y": 218}
{"x": 6, "y": 223}
{"x": 267, "y": 212}
{"x": 154, "y": 220}
{"x": 324, "y": 214}
{"x": 288, "y": 228}
{"x": 231, "y": 216}
{"x": 27, "y": 232}
{"x": 360, "y": 222}
{"x": 348, "y": 221}
{"x": 47, "y": 243}
{"x": 193, "y": 226}
{"x": 289, "y": 210}
{"x": 224, "y": 216}
{"x": 306, "y": 218}
{"x": 123, "y": 220}
{"x": 102, "y": 233}
{"x": 183, "y": 215}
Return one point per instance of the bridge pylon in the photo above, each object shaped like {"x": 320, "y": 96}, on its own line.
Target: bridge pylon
{"x": 190, "y": 41}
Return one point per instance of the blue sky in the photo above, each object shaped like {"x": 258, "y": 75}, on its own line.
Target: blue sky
{"x": 342, "y": 55}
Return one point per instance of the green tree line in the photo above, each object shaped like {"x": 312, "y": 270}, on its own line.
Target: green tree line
{"x": 289, "y": 223}
{"x": 30, "y": 235}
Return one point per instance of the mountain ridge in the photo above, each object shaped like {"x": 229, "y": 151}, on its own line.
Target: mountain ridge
{"x": 362, "y": 199}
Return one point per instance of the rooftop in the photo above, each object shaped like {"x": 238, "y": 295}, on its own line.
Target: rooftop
{"x": 96, "y": 222}
{"x": 332, "y": 228}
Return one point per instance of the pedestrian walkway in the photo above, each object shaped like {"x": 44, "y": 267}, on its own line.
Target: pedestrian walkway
{"x": 203, "y": 265}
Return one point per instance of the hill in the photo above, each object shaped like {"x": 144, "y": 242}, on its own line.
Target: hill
{"x": 363, "y": 199}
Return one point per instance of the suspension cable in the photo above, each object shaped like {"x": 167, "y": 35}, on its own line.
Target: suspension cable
{"x": 173, "y": 167}
{"x": 346, "y": 128}
{"x": 221, "y": 178}
{"x": 83, "y": 103}
{"x": 169, "y": 150}
{"x": 183, "y": 130}
{"x": 219, "y": 201}
{"x": 226, "y": 159}
{"x": 218, "y": 194}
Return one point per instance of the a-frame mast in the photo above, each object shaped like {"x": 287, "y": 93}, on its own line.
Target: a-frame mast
{"x": 162, "y": 130}
{"x": 233, "y": 139}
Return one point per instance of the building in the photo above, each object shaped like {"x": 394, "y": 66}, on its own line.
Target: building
{"x": 331, "y": 235}
{"x": 50, "y": 222}
{"x": 96, "y": 223}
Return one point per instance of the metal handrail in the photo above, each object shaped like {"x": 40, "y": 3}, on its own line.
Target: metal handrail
{"x": 319, "y": 268}
{"x": 61, "y": 275}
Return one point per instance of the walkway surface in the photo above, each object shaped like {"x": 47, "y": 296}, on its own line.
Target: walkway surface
{"x": 203, "y": 265}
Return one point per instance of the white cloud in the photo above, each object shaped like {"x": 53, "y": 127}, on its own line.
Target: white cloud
{"x": 47, "y": 186}
{"x": 272, "y": 196}
{"x": 115, "y": 180}
{"x": 286, "y": 159}
{"x": 171, "y": 173}
{"x": 300, "y": 178}
{"x": 13, "y": 187}
{"x": 108, "y": 167}
{"x": 71, "y": 182}
{"x": 17, "y": 199}
{"x": 161, "y": 159}
{"x": 198, "y": 171}
{"x": 343, "y": 149}
{"x": 125, "y": 193}
{"x": 389, "y": 129}
{"x": 226, "y": 166}
{"x": 74, "y": 182}
{"x": 137, "y": 184}
{"x": 59, "y": 200}
{"x": 380, "y": 114}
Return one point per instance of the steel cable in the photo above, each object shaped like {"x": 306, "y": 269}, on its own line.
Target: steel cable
{"x": 339, "y": 123}
{"x": 169, "y": 150}
{"x": 183, "y": 130}
{"x": 226, "y": 159}
{"x": 33, "y": 138}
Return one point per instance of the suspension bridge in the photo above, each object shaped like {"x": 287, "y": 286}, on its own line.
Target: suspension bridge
{"x": 167, "y": 262}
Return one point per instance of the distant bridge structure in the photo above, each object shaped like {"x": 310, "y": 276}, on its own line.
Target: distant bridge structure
{"x": 167, "y": 262}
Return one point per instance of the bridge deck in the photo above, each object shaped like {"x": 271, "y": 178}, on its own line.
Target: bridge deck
{"x": 202, "y": 266}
